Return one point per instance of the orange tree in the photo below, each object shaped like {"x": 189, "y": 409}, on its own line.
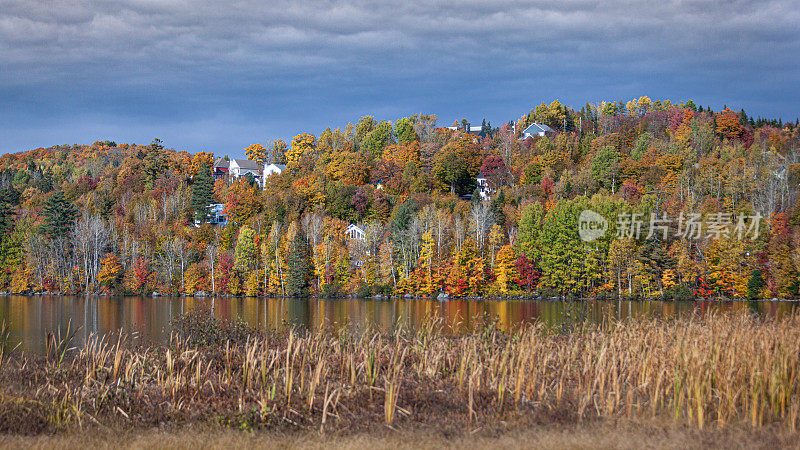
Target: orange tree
{"x": 110, "y": 273}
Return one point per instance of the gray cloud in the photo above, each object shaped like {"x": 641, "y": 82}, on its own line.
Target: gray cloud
{"x": 142, "y": 63}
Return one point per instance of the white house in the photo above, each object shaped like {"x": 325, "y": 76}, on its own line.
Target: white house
{"x": 354, "y": 232}
{"x": 241, "y": 167}
{"x": 483, "y": 187}
{"x": 472, "y": 130}
{"x": 536, "y": 129}
{"x": 273, "y": 169}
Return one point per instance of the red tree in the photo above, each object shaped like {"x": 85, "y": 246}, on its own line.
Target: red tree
{"x": 225, "y": 267}
{"x": 141, "y": 271}
{"x": 528, "y": 275}
{"x": 495, "y": 171}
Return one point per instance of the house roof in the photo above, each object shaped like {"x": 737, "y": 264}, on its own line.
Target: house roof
{"x": 354, "y": 227}
{"x": 536, "y": 128}
{"x": 247, "y": 164}
{"x": 280, "y": 167}
{"x": 221, "y": 163}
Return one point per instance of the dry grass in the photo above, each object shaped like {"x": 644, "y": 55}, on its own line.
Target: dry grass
{"x": 597, "y": 436}
{"x": 732, "y": 371}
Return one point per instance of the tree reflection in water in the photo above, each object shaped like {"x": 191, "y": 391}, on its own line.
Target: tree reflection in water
{"x": 29, "y": 319}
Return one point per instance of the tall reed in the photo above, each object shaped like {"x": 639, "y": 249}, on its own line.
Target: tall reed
{"x": 713, "y": 370}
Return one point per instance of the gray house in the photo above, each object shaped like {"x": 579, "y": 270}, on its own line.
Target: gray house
{"x": 536, "y": 129}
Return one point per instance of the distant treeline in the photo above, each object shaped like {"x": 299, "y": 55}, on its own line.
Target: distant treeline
{"x": 120, "y": 218}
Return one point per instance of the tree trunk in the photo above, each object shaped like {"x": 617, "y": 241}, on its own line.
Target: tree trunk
{"x": 213, "y": 280}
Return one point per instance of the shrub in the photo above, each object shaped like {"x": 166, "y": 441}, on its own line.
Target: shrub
{"x": 678, "y": 292}
{"x": 363, "y": 291}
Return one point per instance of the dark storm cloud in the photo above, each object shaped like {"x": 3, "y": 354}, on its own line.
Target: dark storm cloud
{"x": 218, "y": 75}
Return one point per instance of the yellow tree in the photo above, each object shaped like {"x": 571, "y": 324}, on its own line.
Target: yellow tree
{"x": 301, "y": 143}
{"x": 20, "y": 278}
{"x": 477, "y": 279}
{"x": 640, "y": 106}
{"x": 311, "y": 188}
{"x": 554, "y": 114}
{"x": 386, "y": 266}
{"x": 246, "y": 255}
{"x": 668, "y": 279}
{"x": 252, "y": 284}
{"x": 720, "y": 271}
{"x": 621, "y": 260}
{"x": 199, "y": 159}
{"x": 242, "y": 201}
{"x": 686, "y": 268}
{"x": 194, "y": 278}
{"x": 348, "y": 166}
{"x": 256, "y": 152}
{"x": 318, "y": 260}
{"x": 505, "y": 269}
{"x": 402, "y": 154}
{"x": 496, "y": 236}
{"x": 645, "y": 105}
{"x": 425, "y": 283}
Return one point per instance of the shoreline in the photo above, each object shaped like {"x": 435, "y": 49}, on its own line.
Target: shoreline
{"x": 406, "y": 297}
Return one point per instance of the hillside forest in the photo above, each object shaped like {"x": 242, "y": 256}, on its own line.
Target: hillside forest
{"x": 132, "y": 219}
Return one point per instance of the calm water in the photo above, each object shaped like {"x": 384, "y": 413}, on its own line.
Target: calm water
{"x": 29, "y": 319}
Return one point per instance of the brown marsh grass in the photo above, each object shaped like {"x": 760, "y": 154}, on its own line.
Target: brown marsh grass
{"x": 717, "y": 371}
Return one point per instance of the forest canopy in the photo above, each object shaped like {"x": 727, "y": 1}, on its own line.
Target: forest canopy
{"x": 436, "y": 208}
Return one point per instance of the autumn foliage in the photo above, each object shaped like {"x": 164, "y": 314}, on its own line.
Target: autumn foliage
{"x": 382, "y": 208}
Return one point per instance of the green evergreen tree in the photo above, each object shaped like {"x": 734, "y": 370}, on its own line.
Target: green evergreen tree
{"x": 251, "y": 179}
{"x": 604, "y": 166}
{"x": 497, "y": 204}
{"x": 299, "y": 262}
{"x": 12, "y": 254}
{"x": 11, "y": 238}
{"x": 155, "y": 163}
{"x": 562, "y": 253}
{"x": 654, "y": 258}
{"x": 10, "y": 195}
{"x": 59, "y": 215}
{"x": 7, "y": 213}
{"x": 105, "y": 204}
{"x": 755, "y": 284}
{"x": 530, "y": 227}
{"x": 202, "y": 193}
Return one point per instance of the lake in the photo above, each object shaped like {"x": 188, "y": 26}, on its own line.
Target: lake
{"x": 29, "y": 319}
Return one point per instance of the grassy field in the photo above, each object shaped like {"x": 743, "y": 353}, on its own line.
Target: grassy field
{"x": 621, "y": 434}
{"x": 728, "y": 379}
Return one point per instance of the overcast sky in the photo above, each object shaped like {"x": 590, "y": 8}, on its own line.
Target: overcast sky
{"x": 220, "y": 75}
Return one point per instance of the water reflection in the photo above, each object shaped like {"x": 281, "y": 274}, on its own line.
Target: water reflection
{"x": 148, "y": 320}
